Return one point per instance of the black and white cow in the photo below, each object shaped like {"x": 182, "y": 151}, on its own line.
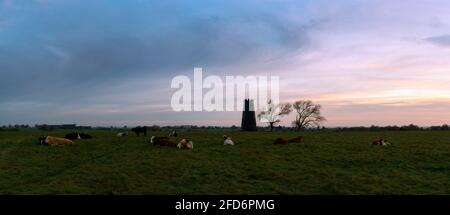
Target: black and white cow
{"x": 77, "y": 136}
{"x": 173, "y": 134}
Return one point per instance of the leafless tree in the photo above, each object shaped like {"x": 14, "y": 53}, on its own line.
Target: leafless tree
{"x": 273, "y": 113}
{"x": 308, "y": 114}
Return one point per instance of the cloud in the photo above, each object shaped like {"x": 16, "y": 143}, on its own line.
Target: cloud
{"x": 102, "y": 51}
{"x": 58, "y": 52}
{"x": 7, "y": 3}
{"x": 116, "y": 58}
{"x": 3, "y": 24}
{"x": 71, "y": 58}
{"x": 443, "y": 40}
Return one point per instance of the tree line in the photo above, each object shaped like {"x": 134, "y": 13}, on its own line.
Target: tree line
{"x": 307, "y": 114}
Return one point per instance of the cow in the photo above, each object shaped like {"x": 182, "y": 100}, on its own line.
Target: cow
{"x": 139, "y": 130}
{"x": 77, "y": 136}
{"x": 85, "y": 136}
{"x": 185, "y": 144}
{"x": 73, "y": 136}
{"x": 173, "y": 134}
{"x": 227, "y": 141}
{"x": 162, "y": 141}
{"x": 298, "y": 139}
{"x": 52, "y": 141}
{"x": 282, "y": 141}
{"x": 122, "y": 134}
{"x": 381, "y": 142}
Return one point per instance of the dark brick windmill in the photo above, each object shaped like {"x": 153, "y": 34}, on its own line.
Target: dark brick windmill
{"x": 248, "y": 116}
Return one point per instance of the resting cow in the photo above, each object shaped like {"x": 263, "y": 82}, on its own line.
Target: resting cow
{"x": 139, "y": 130}
{"x": 73, "y": 136}
{"x": 85, "y": 136}
{"x": 298, "y": 139}
{"x": 381, "y": 142}
{"x": 227, "y": 141}
{"x": 77, "y": 136}
{"x": 282, "y": 141}
{"x": 162, "y": 141}
{"x": 52, "y": 141}
{"x": 122, "y": 134}
{"x": 185, "y": 144}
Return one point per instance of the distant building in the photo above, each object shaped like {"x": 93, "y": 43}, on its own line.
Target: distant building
{"x": 84, "y": 127}
{"x": 54, "y": 127}
{"x": 248, "y": 116}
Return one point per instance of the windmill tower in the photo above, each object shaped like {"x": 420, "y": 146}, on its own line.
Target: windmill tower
{"x": 248, "y": 116}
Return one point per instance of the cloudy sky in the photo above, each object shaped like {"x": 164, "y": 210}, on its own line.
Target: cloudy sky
{"x": 111, "y": 62}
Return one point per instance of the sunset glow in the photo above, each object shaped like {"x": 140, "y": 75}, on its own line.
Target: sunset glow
{"x": 110, "y": 63}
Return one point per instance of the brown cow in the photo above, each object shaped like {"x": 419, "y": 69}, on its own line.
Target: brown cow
{"x": 298, "y": 139}
{"x": 53, "y": 141}
{"x": 282, "y": 141}
{"x": 185, "y": 144}
{"x": 162, "y": 141}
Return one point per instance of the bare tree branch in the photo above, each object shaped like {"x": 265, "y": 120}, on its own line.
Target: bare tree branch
{"x": 273, "y": 113}
{"x": 308, "y": 114}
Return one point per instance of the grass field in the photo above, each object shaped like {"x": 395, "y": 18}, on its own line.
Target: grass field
{"x": 326, "y": 163}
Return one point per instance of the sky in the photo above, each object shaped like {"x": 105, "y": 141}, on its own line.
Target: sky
{"x": 111, "y": 62}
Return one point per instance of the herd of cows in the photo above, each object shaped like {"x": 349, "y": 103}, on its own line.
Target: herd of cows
{"x": 170, "y": 141}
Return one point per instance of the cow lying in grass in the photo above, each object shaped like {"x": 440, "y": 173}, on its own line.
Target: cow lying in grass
{"x": 282, "y": 141}
{"x": 162, "y": 141}
{"x": 381, "y": 142}
{"x": 53, "y": 141}
{"x": 122, "y": 134}
{"x": 165, "y": 141}
{"x": 298, "y": 139}
{"x": 77, "y": 136}
{"x": 185, "y": 144}
{"x": 227, "y": 141}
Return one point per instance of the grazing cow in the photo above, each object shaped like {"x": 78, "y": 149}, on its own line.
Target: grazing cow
{"x": 52, "y": 141}
{"x": 381, "y": 142}
{"x": 162, "y": 141}
{"x": 77, "y": 136}
{"x": 173, "y": 134}
{"x": 282, "y": 141}
{"x": 185, "y": 144}
{"x": 139, "y": 130}
{"x": 122, "y": 134}
{"x": 227, "y": 141}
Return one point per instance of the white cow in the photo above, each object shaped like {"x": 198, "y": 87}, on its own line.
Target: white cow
{"x": 122, "y": 134}
{"x": 227, "y": 141}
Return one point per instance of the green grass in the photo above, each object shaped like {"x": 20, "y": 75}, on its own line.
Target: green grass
{"x": 326, "y": 163}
